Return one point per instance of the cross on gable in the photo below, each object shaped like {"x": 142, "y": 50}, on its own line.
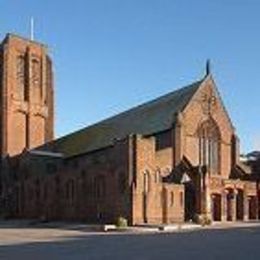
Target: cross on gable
{"x": 208, "y": 102}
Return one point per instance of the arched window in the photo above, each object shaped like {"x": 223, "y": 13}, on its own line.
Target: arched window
{"x": 172, "y": 199}
{"x": 70, "y": 190}
{"x": 122, "y": 182}
{"x": 20, "y": 76}
{"x": 36, "y": 78}
{"x": 36, "y": 72}
{"x": 45, "y": 191}
{"x": 57, "y": 185}
{"x": 146, "y": 184}
{"x": 100, "y": 187}
{"x": 37, "y": 189}
{"x": 209, "y": 146}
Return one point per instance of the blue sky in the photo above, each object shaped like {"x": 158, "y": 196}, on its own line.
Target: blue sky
{"x": 110, "y": 55}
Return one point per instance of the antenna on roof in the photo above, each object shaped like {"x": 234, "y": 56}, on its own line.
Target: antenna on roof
{"x": 32, "y": 29}
{"x": 208, "y": 67}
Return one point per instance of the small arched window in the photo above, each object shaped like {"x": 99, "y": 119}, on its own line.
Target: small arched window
{"x": 146, "y": 183}
{"x": 45, "y": 191}
{"x": 70, "y": 190}
{"x": 57, "y": 185}
{"x": 37, "y": 189}
{"x": 100, "y": 187}
{"x": 83, "y": 174}
{"x": 36, "y": 78}
{"x": 36, "y": 72}
{"x": 172, "y": 199}
{"x": 122, "y": 182}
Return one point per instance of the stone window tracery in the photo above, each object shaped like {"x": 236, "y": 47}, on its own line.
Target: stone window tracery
{"x": 209, "y": 146}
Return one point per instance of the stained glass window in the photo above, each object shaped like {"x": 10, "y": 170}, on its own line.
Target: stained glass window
{"x": 209, "y": 146}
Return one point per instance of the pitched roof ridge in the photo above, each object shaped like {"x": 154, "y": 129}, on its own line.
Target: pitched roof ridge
{"x": 155, "y": 100}
{"x": 147, "y": 118}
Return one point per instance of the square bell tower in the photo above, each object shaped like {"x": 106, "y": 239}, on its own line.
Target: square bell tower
{"x": 26, "y": 95}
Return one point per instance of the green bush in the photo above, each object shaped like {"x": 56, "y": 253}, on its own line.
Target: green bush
{"x": 202, "y": 219}
{"x": 121, "y": 222}
{"x": 208, "y": 221}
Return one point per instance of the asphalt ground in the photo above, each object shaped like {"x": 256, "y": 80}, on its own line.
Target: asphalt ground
{"x": 56, "y": 243}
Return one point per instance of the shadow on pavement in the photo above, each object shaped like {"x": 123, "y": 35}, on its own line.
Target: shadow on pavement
{"x": 203, "y": 244}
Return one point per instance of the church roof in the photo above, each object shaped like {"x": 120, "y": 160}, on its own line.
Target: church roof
{"x": 149, "y": 118}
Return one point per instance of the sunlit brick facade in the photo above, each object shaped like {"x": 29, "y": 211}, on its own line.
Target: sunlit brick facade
{"x": 162, "y": 162}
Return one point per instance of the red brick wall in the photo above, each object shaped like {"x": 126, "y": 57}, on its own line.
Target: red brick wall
{"x": 150, "y": 200}
{"x": 109, "y": 165}
{"x": 125, "y": 179}
{"x": 193, "y": 116}
{"x": 27, "y": 112}
{"x": 46, "y": 188}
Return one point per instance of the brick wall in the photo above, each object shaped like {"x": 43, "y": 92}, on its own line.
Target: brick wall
{"x": 92, "y": 187}
{"x": 26, "y": 94}
{"x": 193, "y": 116}
{"x": 151, "y": 197}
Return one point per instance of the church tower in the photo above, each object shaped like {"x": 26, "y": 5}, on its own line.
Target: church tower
{"x": 26, "y": 95}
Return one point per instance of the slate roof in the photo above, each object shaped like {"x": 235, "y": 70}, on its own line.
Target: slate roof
{"x": 146, "y": 119}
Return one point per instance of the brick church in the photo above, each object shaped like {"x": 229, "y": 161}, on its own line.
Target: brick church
{"x": 165, "y": 161}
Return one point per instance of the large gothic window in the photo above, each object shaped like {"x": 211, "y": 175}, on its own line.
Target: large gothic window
{"x": 209, "y": 146}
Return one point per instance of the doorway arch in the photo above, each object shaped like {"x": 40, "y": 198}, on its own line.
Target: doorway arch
{"x": 190, "y": 201}
{"x": 240, "y": 204}
{"x": 216, "y": 206}
{"x": 229, "y": 201}
{"x": 252, "y": 207}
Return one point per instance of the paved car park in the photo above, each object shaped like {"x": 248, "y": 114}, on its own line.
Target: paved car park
{"x": 64, "y": 243}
